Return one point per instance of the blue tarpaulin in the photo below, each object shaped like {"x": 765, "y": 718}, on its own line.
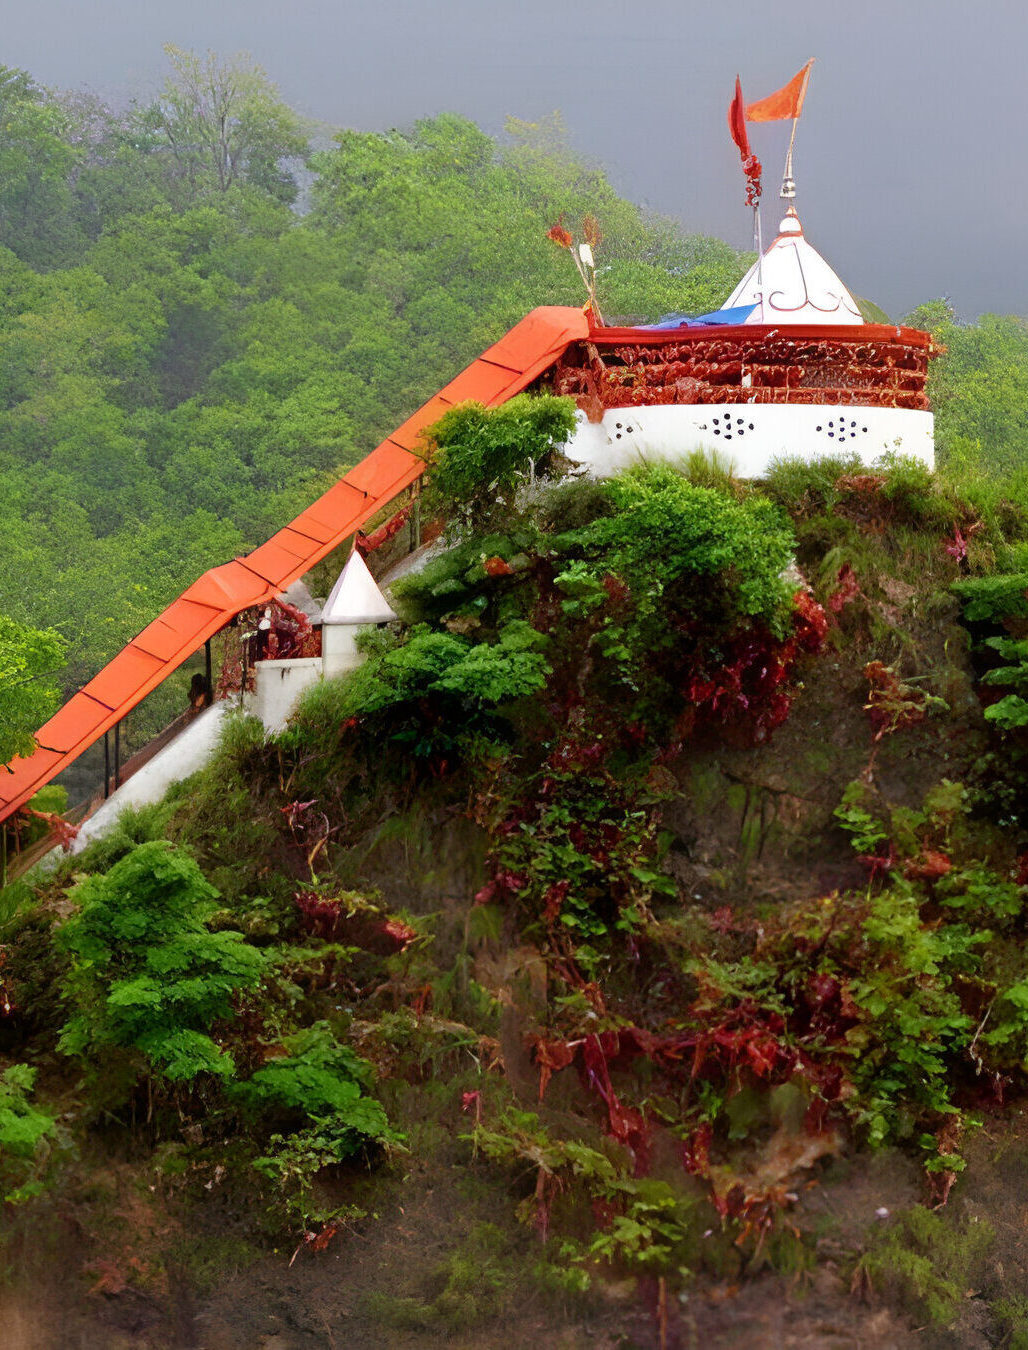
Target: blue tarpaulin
{"x": 737, "y": 314}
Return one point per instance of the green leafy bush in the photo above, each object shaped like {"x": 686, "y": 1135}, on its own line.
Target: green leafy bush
{"x": 1010, "y": 713}
{"x": 147, "y": 974}
{"x": 434, "y": 693}
{"x": 24, "y": 1134}
{"x": 666, "y": 534}
{"x": 320, "y": 1089}
{"x": 479, "y": 457}
{"x": 993, "y": 599}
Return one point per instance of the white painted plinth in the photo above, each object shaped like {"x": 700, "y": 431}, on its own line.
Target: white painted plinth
{"x": 750, "y": 435}
{"x": 279, "y": 686}
{"x": 339, "y": 648}
{"x": 188, "y": 752}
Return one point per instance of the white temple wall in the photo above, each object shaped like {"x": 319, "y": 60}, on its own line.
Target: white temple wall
{"x": 750, "y": 435}
{"x": 279, "y": 686}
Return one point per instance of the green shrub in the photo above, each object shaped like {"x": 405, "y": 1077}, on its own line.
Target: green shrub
{"x": 25, "y": 1132}
{"x": 808, "y": 488}
{"x": 478, "y": 457}
{"x": 319, "y": 1091}
{"x": 434, "y": 693}
{"x": 147, "y": 974}
{"x": 667, "y": 534}
{"x": 993, "y": 599}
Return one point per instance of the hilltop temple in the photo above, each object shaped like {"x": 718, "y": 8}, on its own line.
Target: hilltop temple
{"x": 789, "y": 367}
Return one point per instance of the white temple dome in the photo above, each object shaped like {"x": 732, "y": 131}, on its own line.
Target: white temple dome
{"x": 792, "y": 283}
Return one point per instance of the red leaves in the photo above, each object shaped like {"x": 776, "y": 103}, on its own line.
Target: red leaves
{"x": 497, "y": 567}
{"x": 957, "y": 547}
{"x": 472, "y": 1101}
{"x": 63, "y": 832}
{"x": 930, "y": 866}
{"x": 878, "y": 864}
{"x": 846, "y": 590}
{"x": 319, "y": 914}
{"x": 624, "y": 1123}
{"x": 552, "y": 1056}
{"x": 891, "y": 704}
{"x": 752, "y": 686}
{"x": 696, "y": 1150}
{"x": 553, "y": 900}
{"x": 328, "y": 918}
{"x": 560, "y": 235}
{"x": 318, "y": 1241}
{"x": 747, "y": 1037}
{"x": 310, "y": 829}
{"x": 809, "y": 621}
{"x": 399, "y": 932}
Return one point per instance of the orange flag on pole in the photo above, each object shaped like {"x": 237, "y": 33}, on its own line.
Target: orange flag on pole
{"x": 785, "y": 103}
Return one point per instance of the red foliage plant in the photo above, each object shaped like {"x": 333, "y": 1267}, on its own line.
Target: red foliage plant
{"x": 847, "y": 589}
{"x": 560, "y": 234}
{"x": 891, "y": 704}
{"x": 752, "y": 686}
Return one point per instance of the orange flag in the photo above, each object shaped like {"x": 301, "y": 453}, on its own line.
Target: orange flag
{"x": 785, "y": 103}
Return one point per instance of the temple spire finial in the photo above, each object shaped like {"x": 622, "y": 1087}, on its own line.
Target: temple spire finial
{"x": 788, "y": 191}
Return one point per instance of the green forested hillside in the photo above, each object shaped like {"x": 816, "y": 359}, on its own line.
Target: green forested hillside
{"x": 198, "y": 330}
{"x": 185, "y": 360}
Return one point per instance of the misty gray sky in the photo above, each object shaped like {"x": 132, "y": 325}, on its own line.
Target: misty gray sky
{"x": 909, "y": 161}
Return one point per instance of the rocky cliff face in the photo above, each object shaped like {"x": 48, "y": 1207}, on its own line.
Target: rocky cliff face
{"x": 669, "y": 901}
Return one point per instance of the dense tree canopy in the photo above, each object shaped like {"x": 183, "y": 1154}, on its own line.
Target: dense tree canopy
{"x": 979, "y": 389}
{"x": 28, "y": 661}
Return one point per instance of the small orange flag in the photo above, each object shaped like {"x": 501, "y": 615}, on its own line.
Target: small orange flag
{"x": 785, "y": 103}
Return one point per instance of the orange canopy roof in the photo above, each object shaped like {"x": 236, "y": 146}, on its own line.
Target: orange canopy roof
{"x": 502, "y": 371}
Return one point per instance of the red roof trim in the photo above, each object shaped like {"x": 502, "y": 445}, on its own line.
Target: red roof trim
{"x": 858, "y": 334}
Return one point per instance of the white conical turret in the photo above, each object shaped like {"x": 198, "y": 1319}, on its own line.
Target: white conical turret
{"x": 355, "y": 602}
{"x": 792, "y": 283}
{"x": 356, "y": 598}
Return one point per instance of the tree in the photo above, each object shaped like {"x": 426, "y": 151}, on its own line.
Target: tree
{"x": 224, "y": 123}
{"x": 36, "y": 158}
{"x": 979, "y": 389}
{"x": 29, "y": 657}
{"x": 147, "y": 974}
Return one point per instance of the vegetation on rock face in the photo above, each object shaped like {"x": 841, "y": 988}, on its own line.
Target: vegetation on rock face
{"x": 497, "y": 864}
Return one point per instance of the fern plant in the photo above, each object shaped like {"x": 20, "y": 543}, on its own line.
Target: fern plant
{"x": 1011, "y": 711}
{"x": 147, "y": 974}
{"x": 320, "y": 1088}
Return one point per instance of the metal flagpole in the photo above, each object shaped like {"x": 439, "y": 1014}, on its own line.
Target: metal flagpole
{"x": 788, "y": 191}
